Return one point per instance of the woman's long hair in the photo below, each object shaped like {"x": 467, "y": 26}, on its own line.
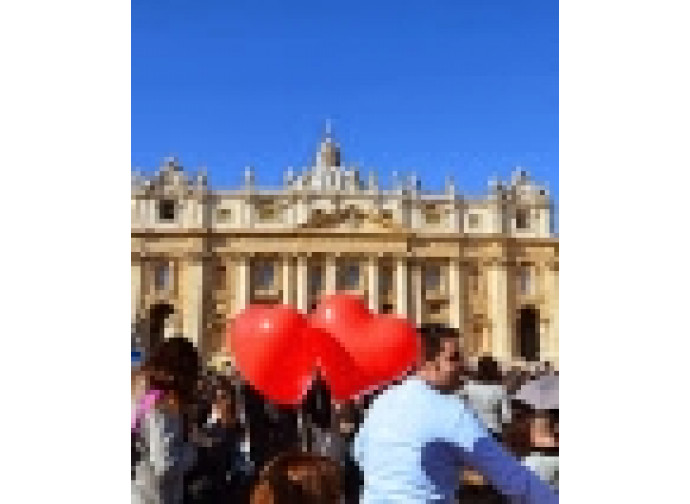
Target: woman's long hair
{"x": 173, "y": 368}
{"x": 295, "y": 477}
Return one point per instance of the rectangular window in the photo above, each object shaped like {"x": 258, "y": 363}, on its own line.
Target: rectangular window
{"x": 166, "y": 210}
{"x": 224, "y": 215}
{"x": 385, "y": 280}
{"x": 316, "y": 279}
{"x": 269, "y": 211}
{"x": 473, "y": 221}
{"x": 522, "y": 219}
{"x": 525, "y": 280}
{"x": 162, "y": 276}
{"x": 432, "y": 215}
{"x": 351, "y": 276}
{"x": 265, "y": 275}
{"x": 432, "y": 277}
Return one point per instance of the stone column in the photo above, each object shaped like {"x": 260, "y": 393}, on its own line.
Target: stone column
{"x": 458, "y": 294}
{"x": 497, "y": 217}
{"x": 417, "y": 292}
{"x": 243, "y": 283}
{"x": 248, "y": 211}
{"x": 287, "y": 280}
{"x": 544, "y": 221}
{"x": 401, "y": 291}
{"x": 549, "y": 341}
{"x": 302, "y": 283}
{"x": 192, "y": 301}
{"x": 136, "y": 290}
{"x": 373, "y": 283}
{"x": 331, "y": 274}
{"x": 486, "y": 341}
{"x": 187, "y": 212}
{"x": 499, "y": 311}
{"x": 454, "y": 219}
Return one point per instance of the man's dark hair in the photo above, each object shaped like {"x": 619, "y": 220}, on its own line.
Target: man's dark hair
{"x": 432, "y": 336}
{"x": 488, "y": 370}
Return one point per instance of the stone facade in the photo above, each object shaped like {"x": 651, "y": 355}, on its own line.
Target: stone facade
{"x": 488, "y": 265}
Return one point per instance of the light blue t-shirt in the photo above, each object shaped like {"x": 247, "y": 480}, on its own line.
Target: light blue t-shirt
{"x": 414, "y": 441}
{"x": 411, "y": 444}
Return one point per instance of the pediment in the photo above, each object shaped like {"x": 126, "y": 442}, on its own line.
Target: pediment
{"x": 351, "y": 220}
{"x": 169, "y": 181}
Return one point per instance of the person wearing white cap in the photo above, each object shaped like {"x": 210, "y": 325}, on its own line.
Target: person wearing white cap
{"x": 540, "y": 397}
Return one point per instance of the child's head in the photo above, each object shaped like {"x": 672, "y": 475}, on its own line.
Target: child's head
{"x": 296, "y": 477}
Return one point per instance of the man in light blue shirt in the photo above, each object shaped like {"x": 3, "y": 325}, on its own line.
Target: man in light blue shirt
{"x": 418, "y": 435}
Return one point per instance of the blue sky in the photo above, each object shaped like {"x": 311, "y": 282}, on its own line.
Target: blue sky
{"x": 459, "y": 87}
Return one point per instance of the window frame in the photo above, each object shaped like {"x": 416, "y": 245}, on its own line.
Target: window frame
{"x": 169, "y": 204}
{"x": 352, "y": 271}
{"x": 522, "y": 215}
{"x": 428, "y": 275}
{"x": 162, "y": 276}
{"x": 261, "y": 275}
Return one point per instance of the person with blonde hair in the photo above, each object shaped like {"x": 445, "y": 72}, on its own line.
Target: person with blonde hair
{"x": 297, "y": 477}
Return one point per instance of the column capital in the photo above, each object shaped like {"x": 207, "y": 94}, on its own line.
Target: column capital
{"x": 496, "y": 262}
{"x": 199, "y": 256}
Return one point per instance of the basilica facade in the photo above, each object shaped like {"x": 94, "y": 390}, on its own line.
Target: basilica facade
{"x": 486, "y": 265}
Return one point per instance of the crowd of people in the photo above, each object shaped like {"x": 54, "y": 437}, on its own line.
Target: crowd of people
{"x": 450, "y": 431}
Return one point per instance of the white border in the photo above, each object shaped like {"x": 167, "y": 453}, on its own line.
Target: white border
{"x": 624, "y": 174}
{"x": 65, "y": 177}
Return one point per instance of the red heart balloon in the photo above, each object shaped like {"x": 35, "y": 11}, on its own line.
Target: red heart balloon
{"x": 273, "y": 352}
{"x": 381, "y": 347}
{"x": 344, "y": 378}
{"x": 340, "y": 311}
{"x": 390, "y": 347}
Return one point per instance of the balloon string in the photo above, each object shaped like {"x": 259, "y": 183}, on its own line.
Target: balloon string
{"x": 302, "y": 429}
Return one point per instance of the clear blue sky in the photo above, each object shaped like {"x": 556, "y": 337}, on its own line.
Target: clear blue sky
{"x": 461, "y": 87}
